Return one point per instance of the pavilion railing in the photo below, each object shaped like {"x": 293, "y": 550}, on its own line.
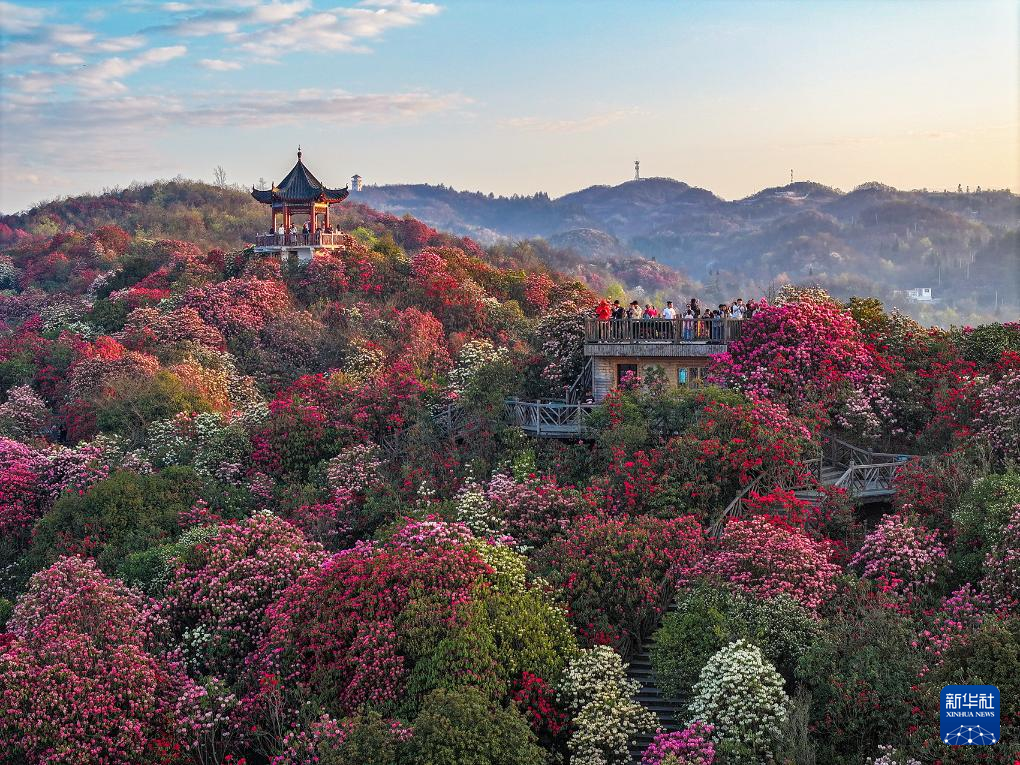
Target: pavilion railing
{"x": 299, "y": 239}
{"x": 679, "y": 331}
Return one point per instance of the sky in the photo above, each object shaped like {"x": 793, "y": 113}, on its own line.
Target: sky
{"x": 509, "y": 96}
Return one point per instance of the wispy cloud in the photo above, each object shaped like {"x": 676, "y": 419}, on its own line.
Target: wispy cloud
{"x": 219, "y": 65}
{"x": 569, "y": 125}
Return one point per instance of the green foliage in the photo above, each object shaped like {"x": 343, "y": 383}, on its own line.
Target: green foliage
{"x": 860, "y": 676}
{"x": 707, "y": 618}
{"x": 6, "y": 609}
{"x": 123, "y": 514}
{"x": 991, "y": 656}
{"x": 985, "y": 344}
{"x": 369, "y": 741}
{"x": 870, "y": 314}
{"x": 109, "y": 315}
{"x": 132, "y": 403}
{"x": 464, "y": 727}
{"x": 978, "y": 520}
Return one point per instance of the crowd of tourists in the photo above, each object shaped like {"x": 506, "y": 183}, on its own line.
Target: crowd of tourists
{"x": 737, "y": 309}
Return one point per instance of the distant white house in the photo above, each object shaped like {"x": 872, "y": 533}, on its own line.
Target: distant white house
{"x": 918, "y": 294}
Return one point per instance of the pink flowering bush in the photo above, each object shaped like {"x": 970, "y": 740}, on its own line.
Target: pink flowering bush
{"x": 238, "y": 305}
{"x": 691, "y": 746}
{"x": 533, "y": 510}
{"x": 1002, "y": 566}
{"x": 806, "y": 350}
{"x": 77, "y": 683}
{"x": 218, "y": 592}
{"x": 23, "y": 498}
{"x": 23, "y": 414}
{"x": 959, "y": 616}
{"x": 901, "y": 555}
{"x": 769, "y": 558}
{"x": 999, "y": 418}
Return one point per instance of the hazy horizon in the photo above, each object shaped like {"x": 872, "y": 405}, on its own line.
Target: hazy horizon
{"x": 729, "y": 97}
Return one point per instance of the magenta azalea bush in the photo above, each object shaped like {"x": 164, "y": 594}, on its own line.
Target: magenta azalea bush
{"x": 691, "y": 746}
{"x": 219, "y": 590}
{"x": 768, "y": 558}
{"x": 77, "y": 681}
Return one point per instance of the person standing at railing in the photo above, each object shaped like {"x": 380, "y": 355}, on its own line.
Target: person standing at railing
{"x": 737, "y": 309}
{"x": 603, "y": 313}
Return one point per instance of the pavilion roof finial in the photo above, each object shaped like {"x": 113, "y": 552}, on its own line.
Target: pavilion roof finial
{"x": 299, "y": 152}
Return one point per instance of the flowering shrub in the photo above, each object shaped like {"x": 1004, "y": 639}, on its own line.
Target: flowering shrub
{"x": 901, "y": 555}
{"x": 887, "y": 755}
{"x": 473, "y": 509}
{"x": 930, "y": 489}
{"x": 741, "y": 695}
{"x": 999, "y": 419}
{"x": 800, "y": 351}
{"x": 537, "y": 701}
{"x": 959, "y": 615}
{"x": 77, "y": 683}
{"x": 1002, "y": 566}
{"x": 691, "y": 746}
{"x": 532, "y": 510}
{"x": 238, "y": 306}
{"x": 473, "y": 357}
{"x": 332, "y": 628}
{"x": 596, "y": 690}
{"x": 618, "y": 574}
{"x": 769, "y": 559}
{"x": 217, "y": 594}
{"x": 23, "y": 414}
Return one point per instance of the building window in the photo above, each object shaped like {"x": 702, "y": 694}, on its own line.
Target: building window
{"x": 623, "y": 369}
{"x": 690, "y": 376}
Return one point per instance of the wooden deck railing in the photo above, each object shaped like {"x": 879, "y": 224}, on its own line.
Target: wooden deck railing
{"x": 552, "y": 419}
{"x": 706, "y": 331}
{"x": 315, "y": 239}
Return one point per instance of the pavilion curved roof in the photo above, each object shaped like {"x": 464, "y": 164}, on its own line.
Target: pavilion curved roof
{"x": 299, "y": 186}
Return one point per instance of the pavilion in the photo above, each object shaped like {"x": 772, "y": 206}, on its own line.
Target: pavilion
{"x": 303, "y": 196}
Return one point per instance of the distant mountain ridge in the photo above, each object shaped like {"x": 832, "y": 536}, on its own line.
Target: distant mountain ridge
{"x": 874, "y": 239}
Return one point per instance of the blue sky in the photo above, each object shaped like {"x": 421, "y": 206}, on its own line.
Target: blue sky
{"x": 511, "y": 97}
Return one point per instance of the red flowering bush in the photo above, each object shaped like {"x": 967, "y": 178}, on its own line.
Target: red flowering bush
{"x": 619, "y": 574}
{"x": 332, "y": 628}
{"x": 218, "y": 592}
{"x": 537, "y": 701}
{"x": 767, "y": 558}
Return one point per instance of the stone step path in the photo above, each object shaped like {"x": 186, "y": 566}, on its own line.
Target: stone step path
{"x": 669, "y": 712}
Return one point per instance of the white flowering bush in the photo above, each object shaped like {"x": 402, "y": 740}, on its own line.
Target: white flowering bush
{"x": 356, "y": 469}
{"x": 595, "y": 689}
{"x": 741, "y": 694}
{"x": 887, "y": 755}
{"x": 475, "y": 511}
{"x": 23, "y": 414}
{"x": 473, "y": 357}
{"x": 999, "y": 419}
{"x": 9, "y": 273}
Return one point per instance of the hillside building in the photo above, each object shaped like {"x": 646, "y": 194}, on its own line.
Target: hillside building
{"x": 300, "y": 215}
{"x": 680, "y": 348}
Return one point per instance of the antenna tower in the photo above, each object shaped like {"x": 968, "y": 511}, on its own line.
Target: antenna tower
{"x": 637, "y": 170}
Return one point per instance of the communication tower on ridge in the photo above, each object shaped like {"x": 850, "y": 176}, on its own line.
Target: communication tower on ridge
{"x": 637, "y": 169}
